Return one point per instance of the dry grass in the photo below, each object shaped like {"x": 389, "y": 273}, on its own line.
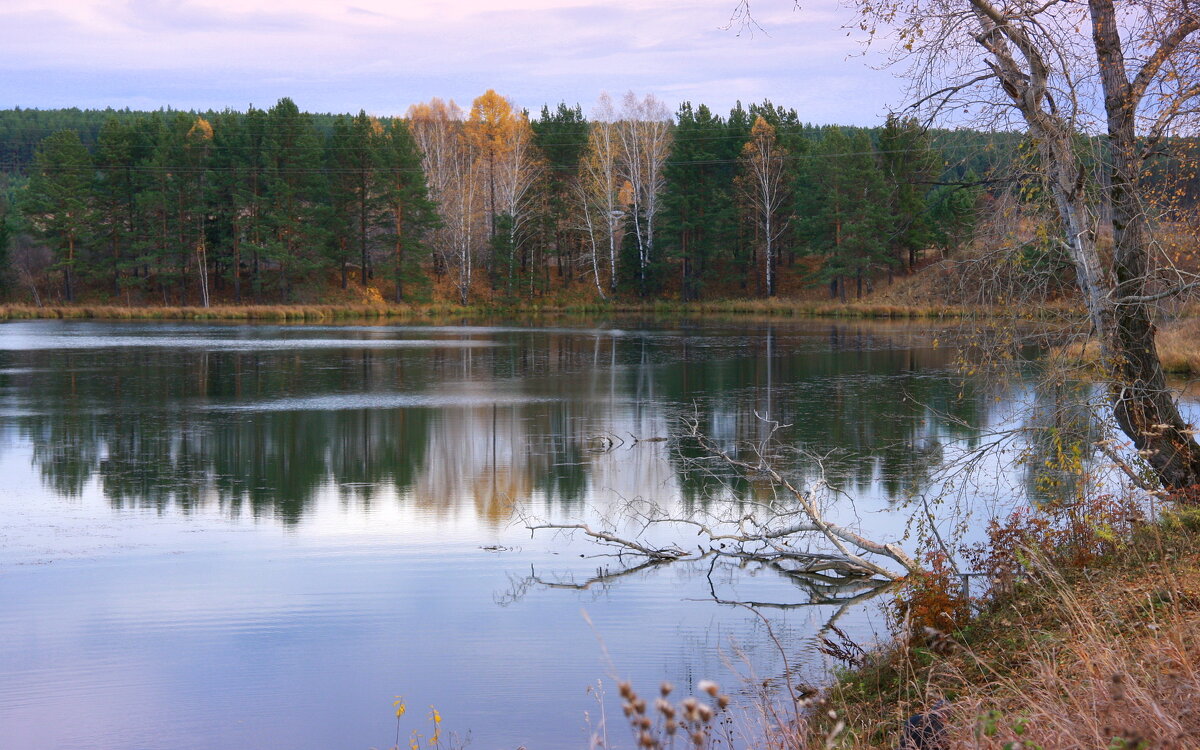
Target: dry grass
{"x": 1178, "y": 345}
{"x": 1117, "y": 667}
{"x": 227, "y": 312}
{"x": 777, "y": 307}
{"x": 1107, "y": 657}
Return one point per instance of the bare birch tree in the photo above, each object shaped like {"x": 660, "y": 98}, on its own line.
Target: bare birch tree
{"x": 602, "y": 210}
{"x": 517, "y": 175}
{"x": 644, "y": 135}
{"x": 765, "y": 185}
{"x": 1101, "y": 86}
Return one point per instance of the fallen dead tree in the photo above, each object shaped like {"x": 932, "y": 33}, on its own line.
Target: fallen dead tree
{"x": 790, "y": 531}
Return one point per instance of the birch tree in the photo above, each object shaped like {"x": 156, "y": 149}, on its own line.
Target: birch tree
{"x": 764, "y": 182}
{"x": 410, "y": 212}
{"x": 503, "y": 139}
{"x": 644, "y": 139}
{"x": 1100, "y": 86}
{"x": 452, "y": 173}
{"x": 602, "y": 208}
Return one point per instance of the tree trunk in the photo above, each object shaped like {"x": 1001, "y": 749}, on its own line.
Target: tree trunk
{"x": 1114, "y": 294}
{"x": 1144, "y": 409}
{"x": 68, "y": 290}
{"x": 399, "y": 217}
{"x": 237, "y": 264}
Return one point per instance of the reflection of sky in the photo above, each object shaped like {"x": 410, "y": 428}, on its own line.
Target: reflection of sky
{"x": 305, "y": 647}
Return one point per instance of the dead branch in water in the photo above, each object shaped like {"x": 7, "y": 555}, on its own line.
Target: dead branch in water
{"x": 772, "y": 533}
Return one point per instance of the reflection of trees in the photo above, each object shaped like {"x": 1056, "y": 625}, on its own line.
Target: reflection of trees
{"x": 182, "y": 427}
{"x": 881, "y": 414}
{"x": 807, "y": 589}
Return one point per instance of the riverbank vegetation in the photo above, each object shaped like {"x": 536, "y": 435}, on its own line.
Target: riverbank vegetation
{"x": 431, "y": 311}
{"x": 1090, "y": 642}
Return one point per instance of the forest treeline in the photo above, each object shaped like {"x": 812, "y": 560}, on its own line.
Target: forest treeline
{"x": 632, "y": 200}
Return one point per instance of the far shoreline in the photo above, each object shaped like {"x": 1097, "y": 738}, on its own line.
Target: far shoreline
{"x": 298, "y": 312}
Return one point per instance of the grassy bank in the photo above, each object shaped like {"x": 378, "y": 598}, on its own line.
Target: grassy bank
{"x": 764, "y": 308}
{"x": 1178, "y": 344}
{"x": 1104, "y": 656}
{"x": 1179, "y": 347}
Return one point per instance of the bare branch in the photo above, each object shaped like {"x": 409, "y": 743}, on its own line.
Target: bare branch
{"x": 1188, "y": 25}
{"x": 664, "y": 553}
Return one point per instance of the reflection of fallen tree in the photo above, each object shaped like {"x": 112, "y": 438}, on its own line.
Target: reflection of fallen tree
{"x": 780, "y": 532}
{"x": 818, "y": 589}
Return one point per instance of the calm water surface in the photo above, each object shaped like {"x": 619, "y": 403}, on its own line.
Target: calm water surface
{"x": 224, "y": 536}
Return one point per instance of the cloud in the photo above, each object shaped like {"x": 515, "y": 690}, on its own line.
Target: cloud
{"x": 384, "y": 55}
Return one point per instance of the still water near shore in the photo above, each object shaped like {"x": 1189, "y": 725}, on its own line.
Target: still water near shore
{"x": 257, "y": 536}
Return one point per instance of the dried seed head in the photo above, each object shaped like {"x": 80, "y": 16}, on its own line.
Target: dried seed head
{"x": 666, "y": 689}
{"x": 723, "y": 702}
{"x": 643, "y": 722}
{"x": 705, "y": 711}
{"x": 626, "y": 690}
{"x": 708, "y": 686}
{"x": 628, "y": 709}
{"x": 671, "y": 726}
{"x": 646, "y": 740}
{"x": 639, "y": 705}
{"x": 689, "y": 706}
{"x": 698, "y": 738}
{"x": 664, "y": 707}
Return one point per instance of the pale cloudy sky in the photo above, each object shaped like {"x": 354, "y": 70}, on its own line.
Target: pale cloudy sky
{"x": 383, "y": 55}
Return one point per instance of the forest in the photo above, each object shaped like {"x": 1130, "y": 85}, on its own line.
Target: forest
{"x": 487, "y": 205}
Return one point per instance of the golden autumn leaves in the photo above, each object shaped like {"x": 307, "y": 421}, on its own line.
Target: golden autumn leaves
{"x": 478, "y": 168}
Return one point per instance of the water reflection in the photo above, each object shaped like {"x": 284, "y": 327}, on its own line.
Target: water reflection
{"x": 517, "y": 416}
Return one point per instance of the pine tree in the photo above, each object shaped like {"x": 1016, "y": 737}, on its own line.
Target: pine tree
{"x": 842, "y": 209}
{"x": 908, "y": 165}
{"x": 57, "y": 200}
{"x": 294, "y": 195}
{"x": 742, "y": 250}
{"x": 562, "y": 137}
{"x": 699, "y": 214}
{"x": 409, "y": 207}
{"x": 356, "y": 207}
{"x": 122, "y": 145}
{"x": 953, "y": 211}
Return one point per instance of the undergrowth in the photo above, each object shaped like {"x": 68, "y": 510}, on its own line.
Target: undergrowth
{"x": 1088, "y": 637}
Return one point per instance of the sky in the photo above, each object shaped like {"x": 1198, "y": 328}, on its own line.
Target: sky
{"x": 383, "y": 55}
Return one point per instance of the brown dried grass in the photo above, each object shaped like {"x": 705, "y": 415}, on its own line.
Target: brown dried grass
{"x": 1097, "y": 658}
{"x": 1179, "y": 347}
{"x": 777, "y": 307}
{"x": 1178, "y": 344}
{"x": 1116, "y": 666}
